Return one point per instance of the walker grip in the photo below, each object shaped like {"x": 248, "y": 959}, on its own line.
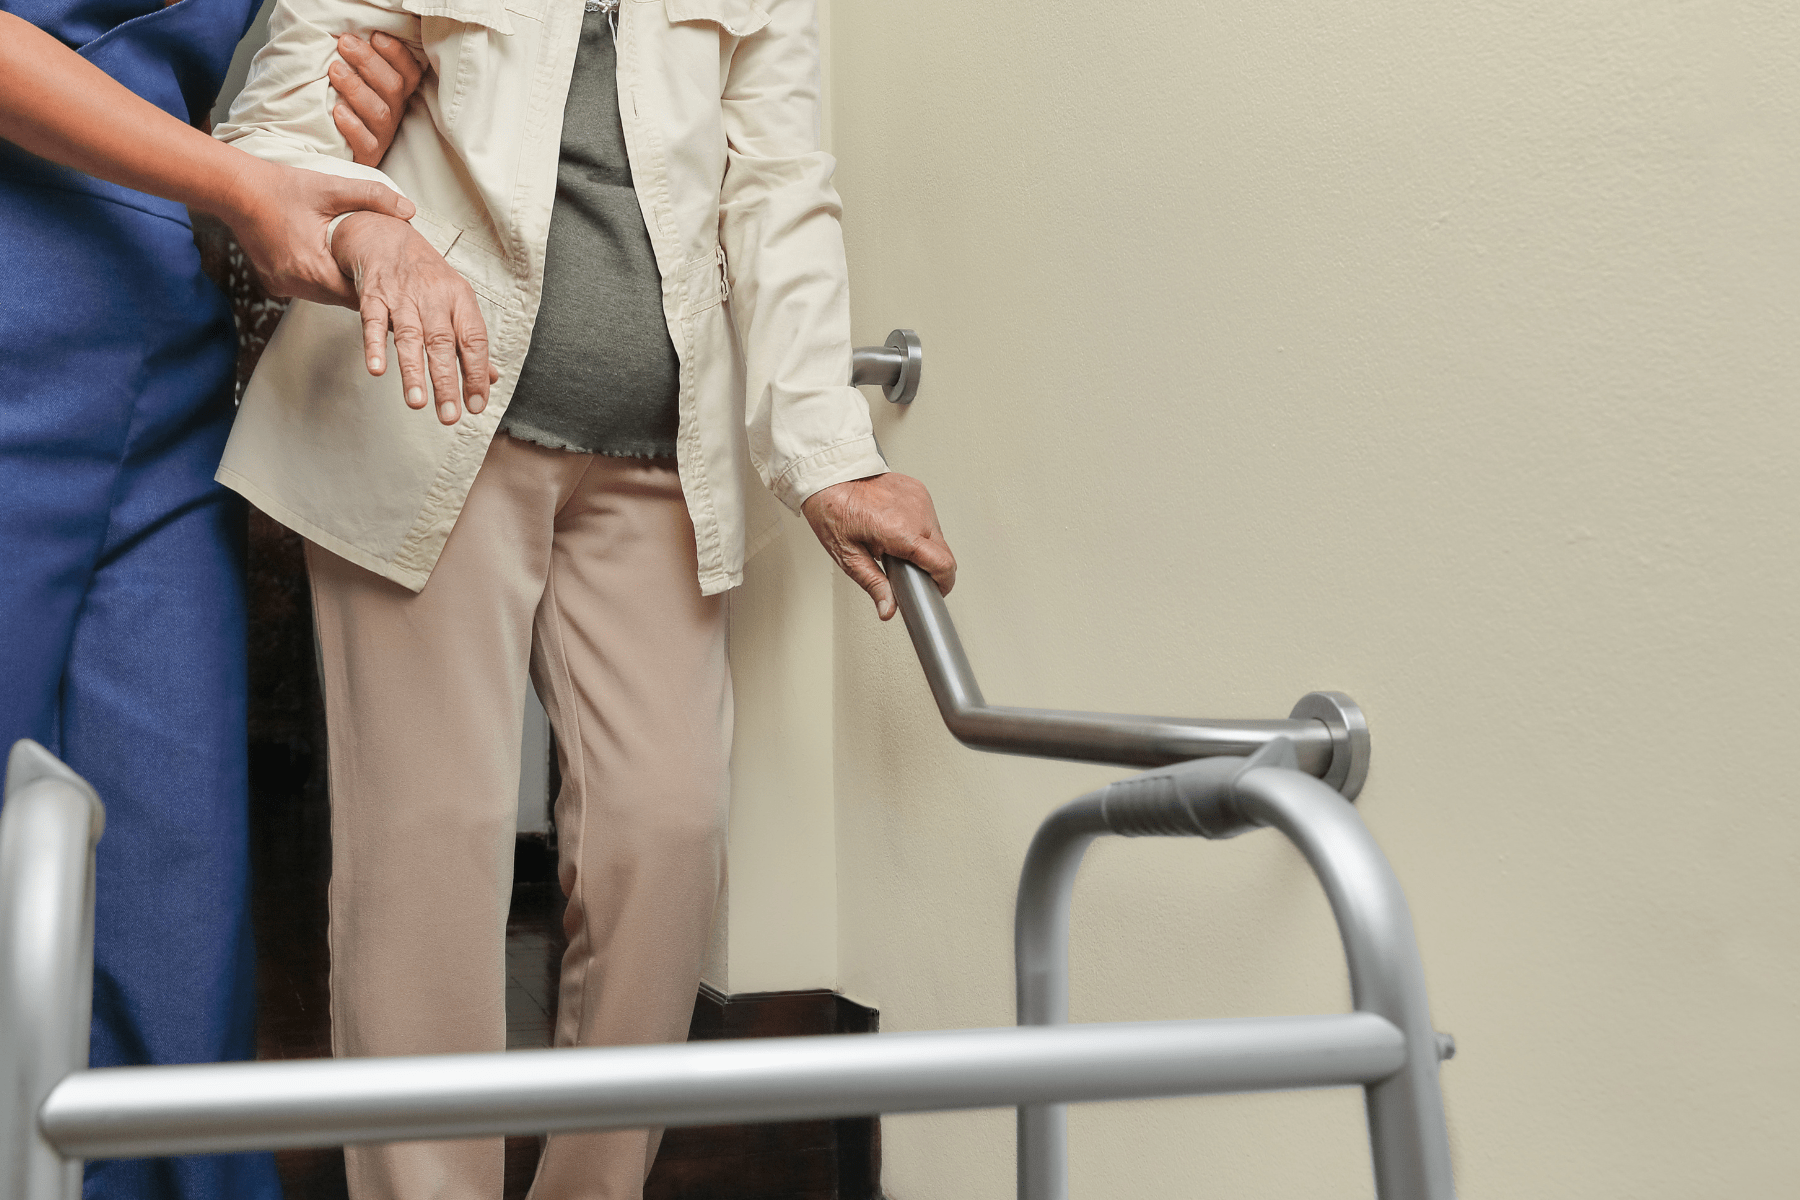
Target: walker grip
{"x": 1190, "y": 799}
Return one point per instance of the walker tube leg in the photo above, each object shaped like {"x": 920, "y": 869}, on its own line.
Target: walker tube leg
{"x": 1407, "y": 1130}
{"x": 48, "y": 827}
{"x": 1041, "y": 964}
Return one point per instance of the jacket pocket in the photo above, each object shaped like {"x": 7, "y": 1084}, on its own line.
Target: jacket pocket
{"x": 739, "y": 18}
{"x": 705, "y": 283}
{"x": 441, "y": 234}
{"x": 490, "y": 14}
{"x": 455, "y": 34}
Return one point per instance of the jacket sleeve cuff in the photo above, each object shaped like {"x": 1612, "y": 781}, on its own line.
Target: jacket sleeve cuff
{"x": 277, "y": 149}
{"x": 855, "y": 459}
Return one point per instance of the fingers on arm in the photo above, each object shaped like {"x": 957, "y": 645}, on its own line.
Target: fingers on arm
{"x": 362, "y": 116}
{"x": 365, "y": 147}
{"x": 375, "y": 327}
{"x": 363, "y": 195}
{"x": 376, "y": 85}
{"x": 472, "y": 349}
{"x": 376, "y": 90}
{"x": 404, "y": 64}
{"x": 375, "y": 68}
{"x": 409, "y": 348}
{"x": 440, "y": 360}
{"x": 866, "y": 573}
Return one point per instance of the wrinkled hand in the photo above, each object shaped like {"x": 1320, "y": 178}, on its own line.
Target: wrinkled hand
{"x": 374, "y": 87}
{"x": 859, "y": 521}
{"x": 280, "y": 215}
{"x": 406, "y": 286}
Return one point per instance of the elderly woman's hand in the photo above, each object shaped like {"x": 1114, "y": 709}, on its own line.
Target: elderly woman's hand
{"x": 863, "y": 519}
{"x": 404, "y": 285}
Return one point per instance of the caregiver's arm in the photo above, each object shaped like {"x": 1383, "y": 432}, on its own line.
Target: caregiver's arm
{"x": 59, "y": 106}
{"x": 285, "y": 115}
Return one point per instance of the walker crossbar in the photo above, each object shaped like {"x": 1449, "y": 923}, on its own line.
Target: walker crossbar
{"x": 139, "y": 1111}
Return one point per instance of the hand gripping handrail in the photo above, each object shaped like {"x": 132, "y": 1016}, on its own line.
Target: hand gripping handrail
{"x": 1327, "y": 729}
{"x": 1221, "y": 798}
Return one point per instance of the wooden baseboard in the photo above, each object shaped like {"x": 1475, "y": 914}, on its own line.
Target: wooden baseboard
{"x": 800, "y": 1160}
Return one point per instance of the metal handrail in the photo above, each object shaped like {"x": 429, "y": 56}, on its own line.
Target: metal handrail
{"x": 1327, "y": 729}
{"x": 1221, "y": 798}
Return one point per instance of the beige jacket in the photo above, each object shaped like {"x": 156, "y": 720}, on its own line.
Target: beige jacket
{"x": 719, "y": 100}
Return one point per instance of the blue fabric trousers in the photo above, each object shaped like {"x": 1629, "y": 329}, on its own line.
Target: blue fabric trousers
{"x": 122, "y": 597}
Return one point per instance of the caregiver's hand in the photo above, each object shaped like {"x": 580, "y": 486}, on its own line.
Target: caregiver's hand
{"x": 373, "y": 89}
{"x": 406, "y": 286}
{"x": 281, "y": 214}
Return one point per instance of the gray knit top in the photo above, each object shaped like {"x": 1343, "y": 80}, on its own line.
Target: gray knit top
{"x": 601, "y": 376}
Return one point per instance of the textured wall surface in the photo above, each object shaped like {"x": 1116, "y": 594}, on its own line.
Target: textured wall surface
{"x": 1444, "y": 354}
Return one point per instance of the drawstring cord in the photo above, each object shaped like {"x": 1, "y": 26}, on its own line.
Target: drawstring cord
{"x": 611, "y": 9}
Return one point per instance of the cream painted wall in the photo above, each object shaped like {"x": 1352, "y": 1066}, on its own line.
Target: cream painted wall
{"x": 777, "y": 928}
{"x": 1441, "y": 353}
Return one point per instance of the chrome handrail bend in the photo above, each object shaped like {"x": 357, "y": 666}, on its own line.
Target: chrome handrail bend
{"x": 1327, "y": 729}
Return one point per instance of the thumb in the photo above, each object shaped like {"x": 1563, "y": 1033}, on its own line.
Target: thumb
{"x": 365, "y": 195}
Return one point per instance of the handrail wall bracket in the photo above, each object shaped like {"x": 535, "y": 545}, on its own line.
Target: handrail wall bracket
{"x": 1349, "y": 729}
{"x": 896, "y": 367}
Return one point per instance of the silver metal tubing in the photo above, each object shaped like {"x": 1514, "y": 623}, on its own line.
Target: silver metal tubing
{"x": 1220, "y": 798}
{"x": 1327, "y": 729}
{"x": 1041, "y": 961}
{"x": 48, "y": 827}
{"x": 1407, "y": 1130}
{"x": 139, "y": 1111}
{"x": 896, "y": 367}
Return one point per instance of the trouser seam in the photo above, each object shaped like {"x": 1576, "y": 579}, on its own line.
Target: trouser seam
{"x": 331, "y": 806}
{"x": 563, "y": 679}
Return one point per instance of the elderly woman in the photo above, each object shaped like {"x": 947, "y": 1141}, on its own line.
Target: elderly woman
{"x": 635, "y": 198}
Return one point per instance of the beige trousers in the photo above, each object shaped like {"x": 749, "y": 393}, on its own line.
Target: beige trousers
{"x": 582, "y": 569}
